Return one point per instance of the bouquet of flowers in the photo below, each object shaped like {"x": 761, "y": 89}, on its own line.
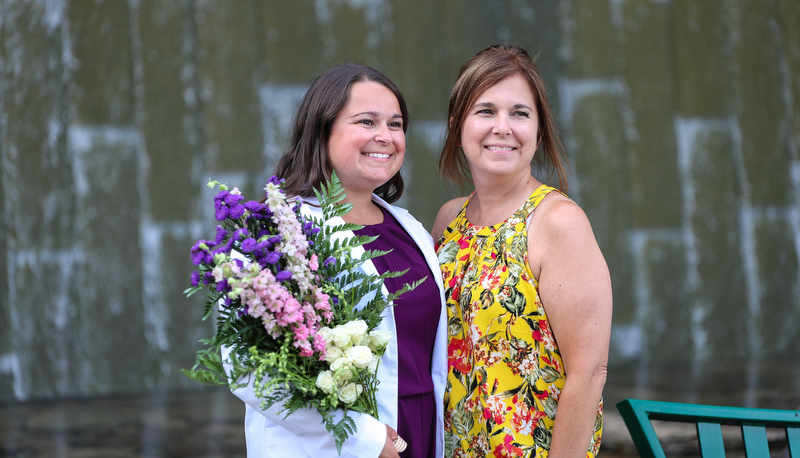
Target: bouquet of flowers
{"x": 284, "y": 290}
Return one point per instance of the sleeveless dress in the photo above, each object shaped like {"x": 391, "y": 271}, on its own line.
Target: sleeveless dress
{"x": 416, "y": 315}
{"x": 505, "y": 371}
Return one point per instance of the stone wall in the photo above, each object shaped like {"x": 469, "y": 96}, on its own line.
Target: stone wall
{"x": 681, "y": 118}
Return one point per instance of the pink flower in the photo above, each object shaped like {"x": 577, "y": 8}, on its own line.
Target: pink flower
{"x": 319, "y": 345}
{"x": 301, "y": 332}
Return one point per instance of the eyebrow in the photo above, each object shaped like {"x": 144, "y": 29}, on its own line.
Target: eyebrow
{"x": 375, "y": 114}
{"x": 491, "y": 105}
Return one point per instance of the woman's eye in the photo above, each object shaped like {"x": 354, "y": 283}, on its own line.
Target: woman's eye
{"x": 367, "y": 122}
{"x": 396, "y": 125}
{"x": 522, "y": 114}
{"x": 485, "y": 111}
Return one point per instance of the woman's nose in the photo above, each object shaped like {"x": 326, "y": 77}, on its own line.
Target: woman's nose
{"x": 501, "y": 126}
{"x": 383, "y": 135}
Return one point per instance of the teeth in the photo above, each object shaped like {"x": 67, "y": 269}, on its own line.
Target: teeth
{"x": 499, "y": 148}
{"x": 377, "y": 155}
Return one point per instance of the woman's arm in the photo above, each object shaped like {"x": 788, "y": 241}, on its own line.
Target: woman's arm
{"x": 575, "y": 289}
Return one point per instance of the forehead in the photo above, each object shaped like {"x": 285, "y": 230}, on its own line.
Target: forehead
{"x": 370, "y": 93}
{"x": 514, "y": 88}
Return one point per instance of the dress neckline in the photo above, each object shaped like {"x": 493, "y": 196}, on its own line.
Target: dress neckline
{"x": 467, "y": 223}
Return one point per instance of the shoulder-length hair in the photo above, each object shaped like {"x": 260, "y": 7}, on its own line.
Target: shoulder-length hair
{"x": 478, "y": 74}
{"x": 306, "y": 165}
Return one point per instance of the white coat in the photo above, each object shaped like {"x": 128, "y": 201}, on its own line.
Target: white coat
{"x": 302, "y": 434}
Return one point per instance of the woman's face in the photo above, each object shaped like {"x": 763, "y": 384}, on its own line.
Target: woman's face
{"x": 501, "y": 130}
{"x": 367, "y": 143}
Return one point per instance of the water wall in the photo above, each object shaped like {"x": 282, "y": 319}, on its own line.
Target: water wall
{"x": 681, "y": 120}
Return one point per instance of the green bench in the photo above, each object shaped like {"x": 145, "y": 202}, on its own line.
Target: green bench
{"x": 638, "y": 413}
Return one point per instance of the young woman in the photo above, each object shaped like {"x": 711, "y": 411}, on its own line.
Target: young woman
{"x": 352, "y": 121}
{"x": 528, "y": 291}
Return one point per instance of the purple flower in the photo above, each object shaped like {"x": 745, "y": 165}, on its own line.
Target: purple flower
{"x": 283, "y": 275}
{"x": 236, "y": 211}
{"x": 226, "y": 205}
{"x": 275, "y": 180}
{"x": 272, "y": 257}
{"x": 233, "y": 199}
{"x": 222, "y": 286}
{"x": 195, "y": 278}
{"x": 208, "y": 278}
{"x": 253, "y": 206}
{"x": 221, "y": 234}
{"x": 219, "y": 199}
{"x": 249, "y": 245}
{"x": 200, "y": 254}
{"x": 240, "y": 233}
{"x": 329, "y": 261}
{"x": 221, "y": 214}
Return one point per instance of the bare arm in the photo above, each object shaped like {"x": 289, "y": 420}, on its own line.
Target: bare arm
{"x": 575, "y": 289}
{"x": 445, "y": 216}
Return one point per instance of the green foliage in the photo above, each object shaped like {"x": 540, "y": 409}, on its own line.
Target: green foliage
{"x": 282, "y": 377}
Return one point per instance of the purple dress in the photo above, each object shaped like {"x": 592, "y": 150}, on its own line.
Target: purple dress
{"x": 416, "y": 315}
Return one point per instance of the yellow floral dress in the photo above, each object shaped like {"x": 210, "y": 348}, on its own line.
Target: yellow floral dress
{"x": 505, "y": 370}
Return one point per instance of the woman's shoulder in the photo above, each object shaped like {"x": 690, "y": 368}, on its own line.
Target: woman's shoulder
{"x": 558, "y": 219}
{"x": 446, "y": 214}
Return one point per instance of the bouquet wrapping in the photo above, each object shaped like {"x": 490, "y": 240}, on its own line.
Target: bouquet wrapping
{"x": 292, "y": 308}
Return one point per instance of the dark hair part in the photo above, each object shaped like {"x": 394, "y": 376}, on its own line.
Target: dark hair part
{"x": 478, "y": 74}
{"x": 306, "y": 165}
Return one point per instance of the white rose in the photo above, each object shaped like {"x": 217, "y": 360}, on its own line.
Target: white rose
{"x": 325, "y": 381}
{"x": 332, "y": 353}
{"x": 343, "y": 369}
{"x": 358, "y": 330}
{"x": 339, "y": 363}
{"x": 373, "y": 364}
{"x": 325, "y": 332}
{"x": 360, "y": 356}
{"x": 340, "y": 336}
{"x": 345, "y": 374}
{"x": 349, "y": 393}
{"x": 379, "y": 338}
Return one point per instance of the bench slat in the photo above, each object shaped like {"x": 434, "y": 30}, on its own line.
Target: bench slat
{"x": 710, "y": 437}
{"x": 793, "y": 436}
{"x": 755, "y": 441}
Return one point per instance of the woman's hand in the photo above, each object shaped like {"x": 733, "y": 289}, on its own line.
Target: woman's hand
{"x": 389, "y": 450}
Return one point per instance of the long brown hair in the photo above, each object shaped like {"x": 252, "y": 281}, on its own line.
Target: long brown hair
{"x": 478, "y": 74}
{"x": 305, "y": 165}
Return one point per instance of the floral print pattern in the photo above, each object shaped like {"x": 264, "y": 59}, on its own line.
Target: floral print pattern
{"x": 505, "y": 371}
